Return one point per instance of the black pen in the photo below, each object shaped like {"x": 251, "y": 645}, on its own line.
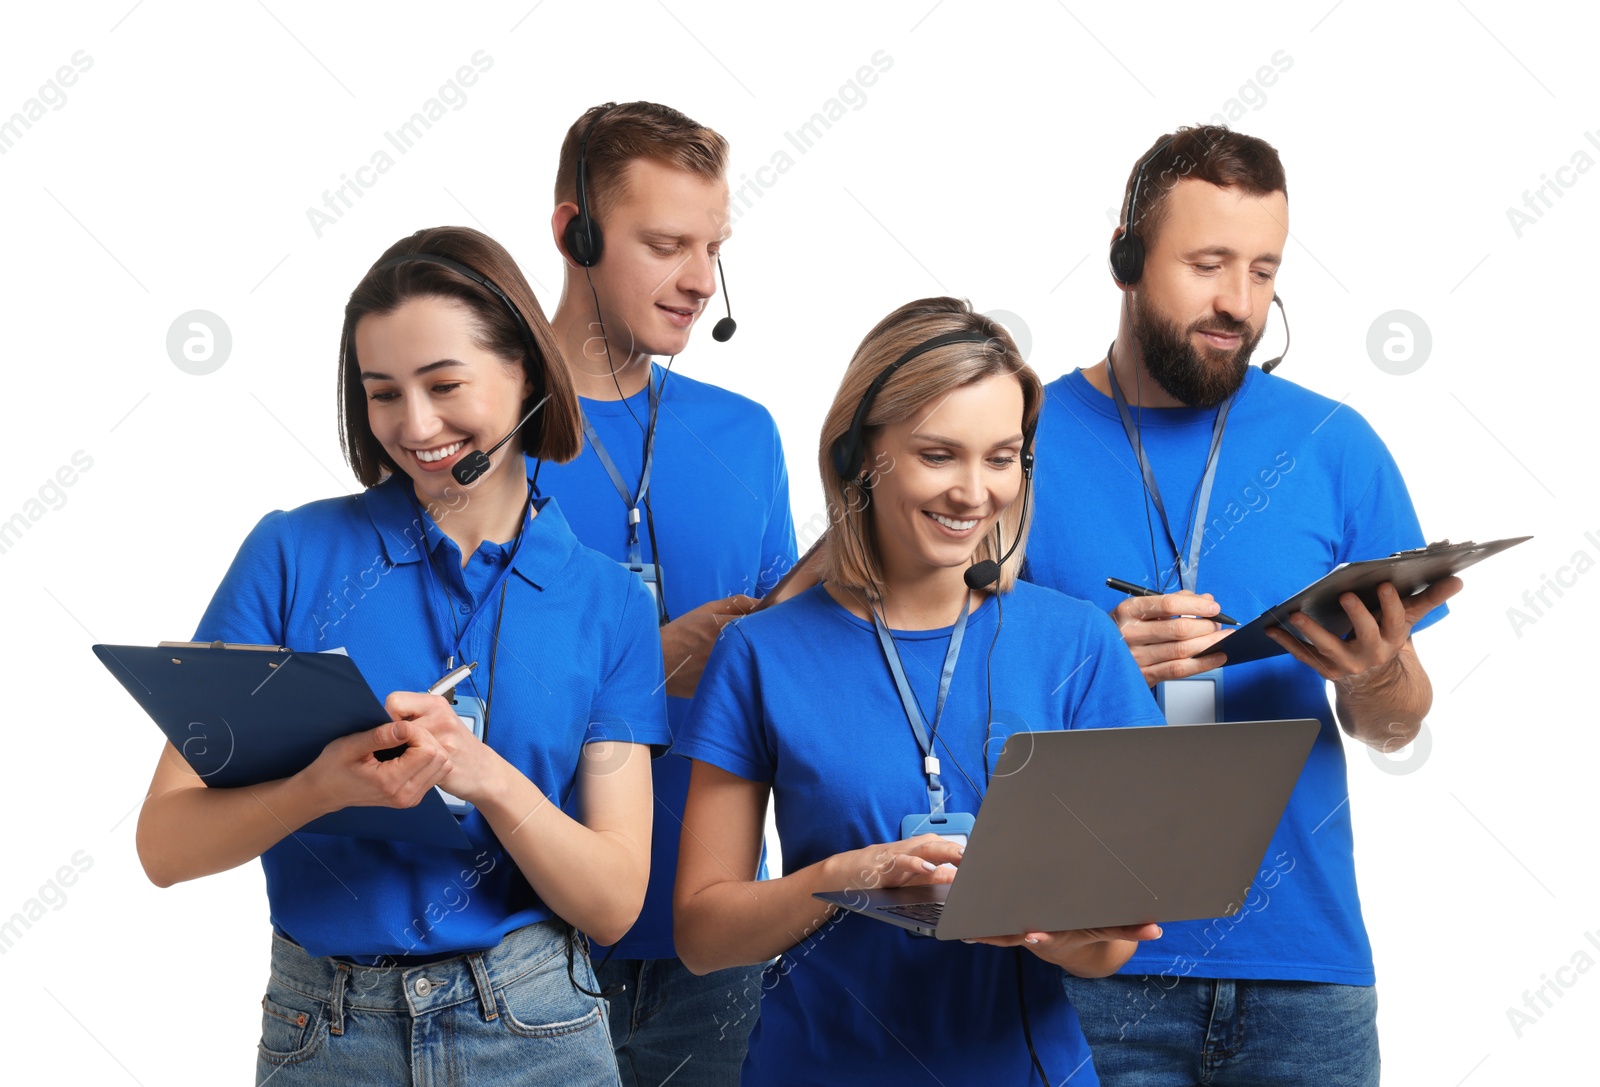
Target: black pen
{"x": 1139, "y": 590}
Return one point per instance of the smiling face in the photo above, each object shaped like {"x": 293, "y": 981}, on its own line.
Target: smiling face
{"x": 956, "y": 467}
{"x": 433, "y": 395}
{"x": 663, "y": 230}
{"x": 1201, "y": 306}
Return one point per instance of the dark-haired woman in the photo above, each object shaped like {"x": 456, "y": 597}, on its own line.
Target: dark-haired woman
{"x": 803, "y": 703}
{"x": 401, "y": 963}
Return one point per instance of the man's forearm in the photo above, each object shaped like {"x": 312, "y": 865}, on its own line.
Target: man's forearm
{"x": 1385, "y": 707}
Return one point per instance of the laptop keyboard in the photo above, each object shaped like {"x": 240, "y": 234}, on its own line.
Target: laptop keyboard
{"x": 926, "y": 913}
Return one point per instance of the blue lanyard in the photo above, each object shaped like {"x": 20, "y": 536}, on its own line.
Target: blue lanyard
{"x": 632, "y": 501}
{"x": 891, "y": 653}
{"x": 1188, "y": 572}
{"x": 499, "y": 585}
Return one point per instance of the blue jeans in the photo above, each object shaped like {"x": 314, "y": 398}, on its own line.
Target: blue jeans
{"x": 668, "y": 1022}
{"x": 506, "y": 1015}
{"x": 1202, "y": 1032}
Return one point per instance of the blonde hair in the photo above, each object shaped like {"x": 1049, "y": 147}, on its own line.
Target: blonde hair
{"x": 852, "y": 559}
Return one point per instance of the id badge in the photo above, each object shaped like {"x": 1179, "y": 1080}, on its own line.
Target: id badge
{"x": 470, "y": 710}
{"x": 954, "y": 826}
{"x": 1193, "y": 701}
{"x": 647, "y": 574}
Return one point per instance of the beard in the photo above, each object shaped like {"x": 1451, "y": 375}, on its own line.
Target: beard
{"x": 1199, "y": 377}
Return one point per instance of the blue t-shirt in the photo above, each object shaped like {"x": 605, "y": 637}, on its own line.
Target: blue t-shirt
{"x": 800, "y": 696}
{"x": 1303, "y": 484}
{"x": 579, "y": 660}
{"x": 719, "y": 492}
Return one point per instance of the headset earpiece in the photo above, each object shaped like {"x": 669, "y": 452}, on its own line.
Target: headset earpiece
{"x": 1127, "y": 258}
{"x": 582, "y": 235}
{"x": 583, "y": 239}
{"x": 1127, "y": 249}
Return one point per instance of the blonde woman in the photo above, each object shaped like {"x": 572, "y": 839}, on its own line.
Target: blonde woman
{"x": 924, "y": 456}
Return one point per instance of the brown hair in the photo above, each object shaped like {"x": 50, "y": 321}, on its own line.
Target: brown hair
{"x": 630, "y": 131}
{"x": 1212, "y": 153}
{"x": 382, "y": 290}
{"x": 851, "y": 558}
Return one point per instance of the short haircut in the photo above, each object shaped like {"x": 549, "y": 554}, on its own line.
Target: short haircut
{"x": 631, "y": 131}
{"x": 555, "y": 427}
{"x": 1213, "y": 153}
{"x": 851, "y": 558}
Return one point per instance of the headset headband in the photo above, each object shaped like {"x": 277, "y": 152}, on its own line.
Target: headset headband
{"x": 851, "y": 450}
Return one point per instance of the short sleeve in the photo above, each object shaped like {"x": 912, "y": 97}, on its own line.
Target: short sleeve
{"x": 630, "y": 704}
{"x": 1381, "y": 519}
{"x": 251, "y": 605}
{"x": 726, "y": 725}
{"x": 778, "y": 549}
{"x": 1111, "y": 691}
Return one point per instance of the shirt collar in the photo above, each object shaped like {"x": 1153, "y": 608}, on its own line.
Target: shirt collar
{"x": 547, "y": 541}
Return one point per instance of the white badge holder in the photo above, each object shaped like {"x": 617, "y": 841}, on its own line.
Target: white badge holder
{"x": 1193, "y": 701}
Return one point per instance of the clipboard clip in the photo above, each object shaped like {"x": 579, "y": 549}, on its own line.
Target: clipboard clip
{"x": 1433, "y": 548}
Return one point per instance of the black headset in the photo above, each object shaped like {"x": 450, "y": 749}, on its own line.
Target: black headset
{"x": 582, "y": 236}
{"x": 477, "y": 462}
{"x": 1127, "y": 251}
{"x": 850, "y": 450}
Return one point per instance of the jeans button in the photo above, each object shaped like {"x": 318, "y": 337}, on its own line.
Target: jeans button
{"x": 423, "y": 987}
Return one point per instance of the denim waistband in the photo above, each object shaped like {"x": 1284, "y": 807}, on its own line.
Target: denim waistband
{"x": 418, "y": 989}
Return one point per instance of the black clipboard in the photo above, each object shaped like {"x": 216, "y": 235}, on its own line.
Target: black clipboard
{"x": 242, "y": 715}
{"x": 1411, "y": 571}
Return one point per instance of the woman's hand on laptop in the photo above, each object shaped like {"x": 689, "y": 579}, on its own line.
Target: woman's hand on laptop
{"x": 923, "y": 859}
{"x": 1084, "y": 952}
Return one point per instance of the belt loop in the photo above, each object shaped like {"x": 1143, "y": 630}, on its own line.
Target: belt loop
{"x": 480, "y": 974}
{"x": 341, "y": 978}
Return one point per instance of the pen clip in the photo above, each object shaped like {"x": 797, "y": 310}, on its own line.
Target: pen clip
{"x": 446, "y": 685}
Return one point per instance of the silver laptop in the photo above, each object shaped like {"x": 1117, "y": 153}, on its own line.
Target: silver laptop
{"x": 1118, "y": 826}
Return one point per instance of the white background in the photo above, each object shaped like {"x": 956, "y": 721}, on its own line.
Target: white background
{"x": 984, "y": 162}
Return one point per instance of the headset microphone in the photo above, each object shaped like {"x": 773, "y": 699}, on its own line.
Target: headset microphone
{"x": 1272, "y": 364}
{"x": 722, "y": 332}
{"x": 467, "y": 470}
{"x": 981, "y": 575}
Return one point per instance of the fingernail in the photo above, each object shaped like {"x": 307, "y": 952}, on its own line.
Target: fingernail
{"x": 1029, "y": 940}
{"x": 969, "y": 941}
{"x": 929, "y": 866}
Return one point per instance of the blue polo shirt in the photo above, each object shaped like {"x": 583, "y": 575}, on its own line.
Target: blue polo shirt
{"x": 720, "y": 494}
{"x": 801, "y": 697}
{"x": 578, "y": 661}
{"x": 1303, "y": 484}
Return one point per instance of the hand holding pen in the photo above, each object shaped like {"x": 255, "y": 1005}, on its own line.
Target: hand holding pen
{"x": 1165, "y": 630}
{"x": 396, "y": 764}
{"x": 1131, "y": 589}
